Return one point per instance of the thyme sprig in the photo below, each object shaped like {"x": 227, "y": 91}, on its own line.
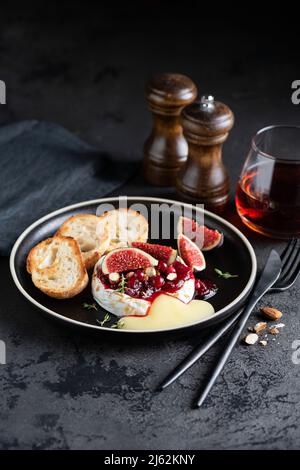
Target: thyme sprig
{"x": 118, "y": 324}
{"x": 225, "y": 275}
{"x": 105, "y": 319}
{"x": 89, "y": 306}
{"x": 122, "y": 284}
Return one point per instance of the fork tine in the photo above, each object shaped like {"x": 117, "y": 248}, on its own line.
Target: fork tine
{"x": 289, "y": 282}
{"x": 291, "y": 275}
{"x": 288, "y": 255}
{"x": 286, "y": 249}
{"x": 297, "y": 272}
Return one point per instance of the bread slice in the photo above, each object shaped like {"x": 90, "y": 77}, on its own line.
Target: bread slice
{"x": 125, "y": 226}
{"x": 57, "y": 268}
{"x": 83, "y": 228}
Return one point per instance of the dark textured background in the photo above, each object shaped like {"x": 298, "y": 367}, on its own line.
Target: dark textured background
{"x": 85, "y": 68}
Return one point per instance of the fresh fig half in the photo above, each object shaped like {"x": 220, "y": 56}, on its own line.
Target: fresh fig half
{"x": 190, "y": 253}
{"x": 160, "y": 252}
{"x": 126, "y": 259}
{"x": 205, "y": 238}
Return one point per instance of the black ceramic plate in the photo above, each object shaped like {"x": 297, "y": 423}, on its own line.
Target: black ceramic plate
{"x": 235, "y": 256}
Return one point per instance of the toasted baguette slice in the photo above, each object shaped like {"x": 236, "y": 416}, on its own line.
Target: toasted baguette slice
{"x": 83, "y": 228}
{"x": 125, "y": 226}
{"x": 57, "y": 268}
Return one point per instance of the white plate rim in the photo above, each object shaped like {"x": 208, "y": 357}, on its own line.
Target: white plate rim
{"x": 40, "y": 306}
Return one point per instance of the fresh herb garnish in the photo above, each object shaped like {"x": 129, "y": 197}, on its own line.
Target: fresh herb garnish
{"x": 225, "y": 275}
{"x": 89, "y": 306}
{"x": 122, "y": 284}
{"x": 119, "y": 324}
{"x": 105, "y": 319}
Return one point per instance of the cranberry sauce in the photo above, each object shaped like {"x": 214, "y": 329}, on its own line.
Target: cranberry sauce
{"x": 204, "y": 289}
{"x": 147, "y": 283}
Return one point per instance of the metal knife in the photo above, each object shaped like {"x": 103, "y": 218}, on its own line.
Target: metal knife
{"x": 267, "y": 278}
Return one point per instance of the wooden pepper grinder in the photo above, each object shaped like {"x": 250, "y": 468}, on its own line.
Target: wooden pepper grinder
{"x": 166, "y": 149}
{"x": 204, "y": 179}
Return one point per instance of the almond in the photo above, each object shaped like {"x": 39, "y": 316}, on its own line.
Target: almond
{"x": 263, "y": 342}
{"x": 150, "y": 271}
{"x": 252, "y": 338}
{"x": 274, "y": 330}
{"x": 260, "y": 326}
{"x": 171, "y": 276}
{"x": 271, "y": 313}
{"x": 114, "y": 277}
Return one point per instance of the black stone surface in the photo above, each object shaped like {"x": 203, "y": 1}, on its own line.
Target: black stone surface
{"x": 63, "y": 390}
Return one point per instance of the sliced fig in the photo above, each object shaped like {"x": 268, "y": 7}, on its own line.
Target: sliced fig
{"x": 190, "y": 253}
{"x": 212, "y": 238}
{"x": 126, "y": 259}
{"x": 187, "y": 226}
{"x": 205, "y": 238}
{"x": 160, "y": 252}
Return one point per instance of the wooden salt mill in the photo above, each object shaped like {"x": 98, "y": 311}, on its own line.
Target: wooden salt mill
{"x": 166, "y": 149}
{"x": 204, "y": 179}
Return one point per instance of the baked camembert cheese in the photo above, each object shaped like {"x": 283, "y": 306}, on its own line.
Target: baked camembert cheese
{"x": 127, "y": 281}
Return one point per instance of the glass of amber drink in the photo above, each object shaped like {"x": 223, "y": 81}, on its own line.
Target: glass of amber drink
{"x": 268, "y": 191}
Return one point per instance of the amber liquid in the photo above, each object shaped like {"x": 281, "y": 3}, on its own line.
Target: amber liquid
{"x": 271, "y": 205}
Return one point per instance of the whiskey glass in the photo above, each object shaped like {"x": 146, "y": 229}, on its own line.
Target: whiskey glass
{"x": 268, "y": 191}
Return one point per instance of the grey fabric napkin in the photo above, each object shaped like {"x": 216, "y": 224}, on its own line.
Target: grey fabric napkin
{"x": 44, "y": 167}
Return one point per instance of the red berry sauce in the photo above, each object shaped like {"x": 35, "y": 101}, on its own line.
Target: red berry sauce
{"x": 139, "y": 285}
{"x": 205, "y": 288}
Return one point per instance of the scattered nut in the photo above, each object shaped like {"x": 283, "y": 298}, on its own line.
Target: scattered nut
{"x": 252, "y": 338}
{"x": 150, "y": 271}
{"x": 263, "y": 342}
{"x": 273, "y": 330}
{"x": 271, "y": 313}
{"x": 171, "y": 276}
{"x": 114, "y": 277}
{"x": 260, "y": 326}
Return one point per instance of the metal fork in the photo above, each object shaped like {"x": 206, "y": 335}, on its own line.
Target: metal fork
{"x": 290, "y": 259}
{"x": 290, "y": 268}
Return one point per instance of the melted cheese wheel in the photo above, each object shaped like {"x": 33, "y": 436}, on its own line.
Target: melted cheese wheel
{"x": 122, "y": 305}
